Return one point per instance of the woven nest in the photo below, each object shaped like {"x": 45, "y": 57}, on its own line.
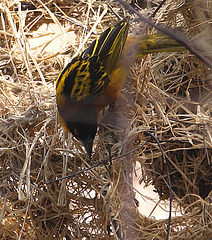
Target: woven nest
{"x": 167, "y": 95}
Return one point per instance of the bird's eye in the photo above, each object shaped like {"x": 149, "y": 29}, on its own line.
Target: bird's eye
{"x": 75, "y": 132}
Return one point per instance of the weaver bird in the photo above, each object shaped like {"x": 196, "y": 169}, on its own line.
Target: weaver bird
{"x": 95, "y": 78}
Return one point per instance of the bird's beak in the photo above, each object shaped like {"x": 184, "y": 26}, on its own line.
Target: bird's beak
{"x": 88, "y": 144}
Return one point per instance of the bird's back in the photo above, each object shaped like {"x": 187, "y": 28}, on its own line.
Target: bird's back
{"x": 87, "y": 76}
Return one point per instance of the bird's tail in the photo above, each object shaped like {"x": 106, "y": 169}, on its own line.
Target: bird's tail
{"x": 137, "y": 47}
{"x": 158, "y": 43}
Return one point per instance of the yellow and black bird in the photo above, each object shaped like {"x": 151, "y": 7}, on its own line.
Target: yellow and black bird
{"x": 95, "y": 78}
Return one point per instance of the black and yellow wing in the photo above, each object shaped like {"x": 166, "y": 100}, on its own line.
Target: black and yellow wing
{"x": 87, "y": 75}
{"x": 109, "y": 45}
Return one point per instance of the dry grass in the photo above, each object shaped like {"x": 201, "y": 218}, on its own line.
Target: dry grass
{"x": 169, "y": 94}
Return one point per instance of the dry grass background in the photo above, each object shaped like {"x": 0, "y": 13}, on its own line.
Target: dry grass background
{"x": 169, "y": 94}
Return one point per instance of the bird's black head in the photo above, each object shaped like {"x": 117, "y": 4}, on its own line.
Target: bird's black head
{"x": 85, "y": 133}
{"x": 83, "y": 125}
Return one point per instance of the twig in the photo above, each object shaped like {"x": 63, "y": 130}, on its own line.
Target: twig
{"x": 181, "y": 121}
{"x": 206, "y": 150}
{"x": 157, "y": 9}
{"x": 72, "y": 21}
{"x": 116, "y": 14}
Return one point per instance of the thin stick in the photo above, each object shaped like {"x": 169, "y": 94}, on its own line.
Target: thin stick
{"x": 158, "y": 8}
{"x": 206, "y": 150}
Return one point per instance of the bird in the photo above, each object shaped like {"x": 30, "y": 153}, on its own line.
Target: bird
{"x": 94, "y": 78}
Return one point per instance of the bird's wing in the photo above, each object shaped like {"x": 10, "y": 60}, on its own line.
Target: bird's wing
{"x": 87, "y": 75}
{"x": 83, "y": 80}
{"x": 109, "y": 45}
